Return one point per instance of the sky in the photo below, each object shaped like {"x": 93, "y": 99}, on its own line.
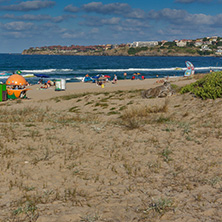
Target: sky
{"x": 36, "y": 23}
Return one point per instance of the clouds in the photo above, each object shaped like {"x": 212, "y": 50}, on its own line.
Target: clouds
{"x": 72, "y": 35}
{"x": 40, "y": 17}
{"x": 97, "y": 21}
{"x": 138, "y": 20}
{"x": 118, "y": 15}
{"x": 84, "y": 22}
{"x": 168, "y": 14}
{"x": 121, "y": 9}
{"x": 28, "y": 6}
{"x": 182, "y": 18}
{"x": 100, "y": 8}
{"x": 113, "y": 8}
{"x": 17, "y": 26}
{"x": 71, "y": 8}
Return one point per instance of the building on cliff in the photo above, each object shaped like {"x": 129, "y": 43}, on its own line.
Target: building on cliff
{"x": 144, "y": 44}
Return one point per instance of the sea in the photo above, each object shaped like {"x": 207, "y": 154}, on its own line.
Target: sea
{"x": 74, "y": 68}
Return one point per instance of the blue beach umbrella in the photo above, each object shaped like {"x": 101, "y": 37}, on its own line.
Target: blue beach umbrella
{"x": 96, "y": 77}
{"x": 41, "y": 76}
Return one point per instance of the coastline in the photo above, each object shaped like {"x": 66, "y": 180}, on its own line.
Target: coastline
{"x": 125, "y": 54}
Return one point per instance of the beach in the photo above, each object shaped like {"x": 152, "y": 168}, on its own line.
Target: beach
{"x": 106, "y": 154}
{"x": 36, "y": 93}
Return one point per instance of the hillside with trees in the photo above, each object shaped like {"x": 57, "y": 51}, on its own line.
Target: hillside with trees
{"x": 207, "y": 46}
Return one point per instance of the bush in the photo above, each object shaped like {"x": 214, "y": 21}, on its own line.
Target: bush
{"x": 133, "y": 51}
{"x": 191, "y": 50}
{"x": 170, "y": 44}
{"x": 209, "y": 86}
{"x": 205, "y": 52}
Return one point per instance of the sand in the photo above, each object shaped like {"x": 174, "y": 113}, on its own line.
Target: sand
{"x": 79, "y": 87}
{"x": 105, "y": 154}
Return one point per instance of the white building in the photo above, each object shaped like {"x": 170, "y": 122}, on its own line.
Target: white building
{"x": 218, "y": 52}
{"x": 181, "y": 43}
{"x": 198, "y": 43}
{"x": 205, "y": 48}
{"x": 144, "y": 44}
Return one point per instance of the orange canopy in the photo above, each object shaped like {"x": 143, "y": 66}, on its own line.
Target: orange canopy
{"x": 16, "y": 79}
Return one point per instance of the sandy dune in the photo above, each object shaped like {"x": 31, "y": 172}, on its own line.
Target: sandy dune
{"x": 105, "y": 154}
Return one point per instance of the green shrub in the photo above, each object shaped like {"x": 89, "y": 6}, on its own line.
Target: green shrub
{"x": 190, "y": 50}
{"x": 209, "y": 86}
{"x": 204, "y": 52}
{"x": 133, "y": 51}
{"x": 170, "y": 44}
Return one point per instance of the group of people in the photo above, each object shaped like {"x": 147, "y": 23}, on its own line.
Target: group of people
{"x": 137, "y": 76}
{"x": 46, "y": 85}
{"x": 17, "y": 87}
{"x": 101, "y": 81}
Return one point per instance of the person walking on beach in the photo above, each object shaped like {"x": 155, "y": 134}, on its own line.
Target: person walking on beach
{"x": 115, "y": 79}
{"x": 125, "y": 75}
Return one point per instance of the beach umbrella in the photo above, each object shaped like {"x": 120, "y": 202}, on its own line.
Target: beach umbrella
{"x": 96, "y": 77}
{"x": 41, "y": 76}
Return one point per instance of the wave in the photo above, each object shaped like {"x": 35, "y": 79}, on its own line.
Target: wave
{"x": 46, "y": 70}
{"x": 79, "y": 78}
{"x": 208, "y": 68}
{"x": 4, "y": 77}
{"x": 153, "y": 69}
{"x": 83, "y": 71}
{"x": 135, "y": 69}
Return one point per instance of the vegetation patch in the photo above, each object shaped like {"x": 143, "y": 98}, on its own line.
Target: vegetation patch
{"x": 175, "y": 88}
{"x": 104, "y": 105}
{"x": 134, "y": 117}
{"x": 133, "y": 51}
{"x": 74, "y": 109}
{"x": 209, "y": 87}
{"x": 112, "y": 113}
{"x": 160, "y": 206}
{"x": 26, "y": 114}
{"x": 68, "y": 97}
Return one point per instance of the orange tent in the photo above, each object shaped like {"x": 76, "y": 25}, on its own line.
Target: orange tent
{"x": 16, "y": 80}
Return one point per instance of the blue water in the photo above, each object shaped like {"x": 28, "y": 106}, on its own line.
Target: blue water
{"x": 73, "y": 68}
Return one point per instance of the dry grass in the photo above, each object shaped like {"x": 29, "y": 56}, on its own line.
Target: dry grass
{"x": 26, "y": 114}
{"x": 199, "y": 76}
{"x": 135, "y": 117}
{"x": 58, "y": 164}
